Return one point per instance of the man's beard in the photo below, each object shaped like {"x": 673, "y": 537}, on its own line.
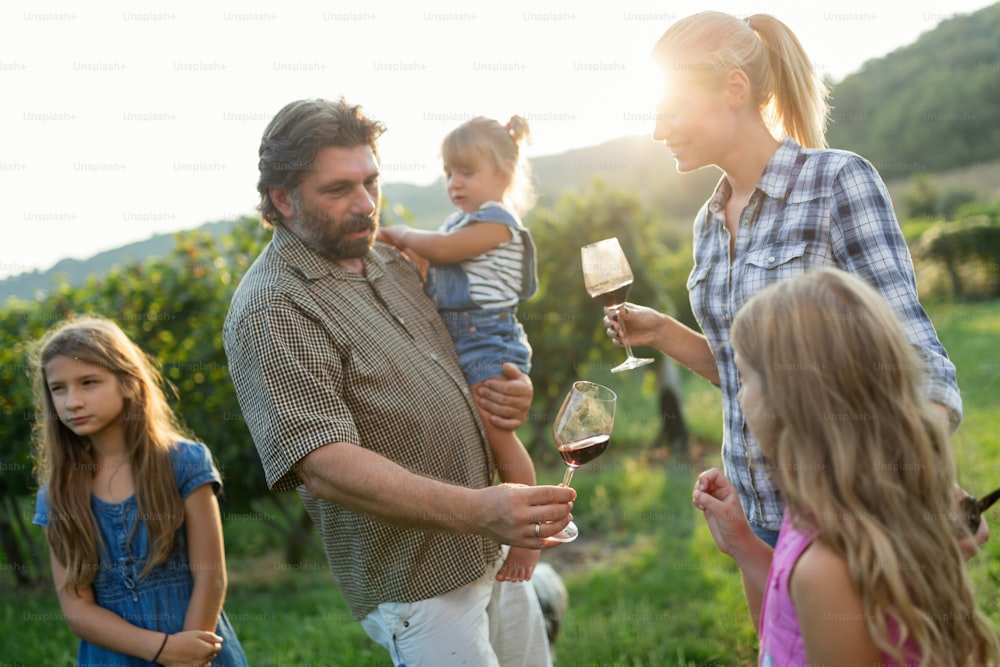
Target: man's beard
{"x": 324, "y": 236}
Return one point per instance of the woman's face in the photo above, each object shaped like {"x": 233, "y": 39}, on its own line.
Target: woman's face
{"x": 694, "y": 121}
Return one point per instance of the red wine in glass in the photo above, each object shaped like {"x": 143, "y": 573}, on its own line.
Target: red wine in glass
{"x": 576, "y": 454}
{"x": 581, "y": 432}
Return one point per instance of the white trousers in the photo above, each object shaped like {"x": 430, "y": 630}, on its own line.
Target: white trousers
{"x": 486, "y": 623}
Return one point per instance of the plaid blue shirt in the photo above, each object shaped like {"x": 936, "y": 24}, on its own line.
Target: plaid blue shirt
{"x": 810, "y": 208}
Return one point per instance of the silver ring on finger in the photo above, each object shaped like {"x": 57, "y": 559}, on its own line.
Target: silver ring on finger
{"x": 538, "y": 528}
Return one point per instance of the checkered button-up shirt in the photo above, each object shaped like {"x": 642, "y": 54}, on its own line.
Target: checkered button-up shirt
{"x": 810, "y": 208}
{"x": 321, "y": 355}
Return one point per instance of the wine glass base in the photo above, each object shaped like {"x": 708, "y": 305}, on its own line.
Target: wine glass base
{"x": 567, "y": 534}
{"x": 630, "y": 363}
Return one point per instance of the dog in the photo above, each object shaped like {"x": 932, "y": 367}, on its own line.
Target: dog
{"x": 554, "y": 600}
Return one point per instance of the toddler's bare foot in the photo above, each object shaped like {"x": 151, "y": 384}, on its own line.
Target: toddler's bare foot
{"x": 519, "y": 565}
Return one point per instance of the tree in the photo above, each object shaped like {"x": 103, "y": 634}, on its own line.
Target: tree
{"x": 173, "y": 308}
{"x": 969, "y": 251}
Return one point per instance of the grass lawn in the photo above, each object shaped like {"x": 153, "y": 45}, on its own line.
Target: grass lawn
{"x": 647, "y": 586}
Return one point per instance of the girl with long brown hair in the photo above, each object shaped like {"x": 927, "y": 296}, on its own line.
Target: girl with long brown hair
{"x": 128, "y": 504}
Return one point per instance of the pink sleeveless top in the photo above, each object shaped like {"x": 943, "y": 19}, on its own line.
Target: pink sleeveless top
{"x": 780, "y": 637}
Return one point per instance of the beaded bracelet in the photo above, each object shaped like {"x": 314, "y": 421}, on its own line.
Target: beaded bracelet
{"x": 165, "y": 637}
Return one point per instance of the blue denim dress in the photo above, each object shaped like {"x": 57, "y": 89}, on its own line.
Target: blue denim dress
{"x": 485, "y": 337}
{"x": 160, "y": 600}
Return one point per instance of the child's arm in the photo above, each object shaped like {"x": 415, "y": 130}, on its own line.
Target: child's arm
{"x": 100, "y": 626}
{"x": 715, "y": 495}
{"x": 450, "y": 247}
{"x": 830, "y": 612}
{"x": 207, "y": 558}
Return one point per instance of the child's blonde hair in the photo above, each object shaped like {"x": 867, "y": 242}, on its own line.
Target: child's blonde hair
{"x": 859, "y": 455}
{"x": 66, "y": 463}
{"x": 499, "y": 145}
{"x": 789, "y": 93}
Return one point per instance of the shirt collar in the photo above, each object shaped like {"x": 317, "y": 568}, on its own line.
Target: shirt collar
{"x": 313, "y": 266}
{"x": 779, "y": 174}
{"x": 775, "y": 182}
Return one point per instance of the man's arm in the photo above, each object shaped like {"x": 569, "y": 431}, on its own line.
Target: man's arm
{"x": 369, "y": 483}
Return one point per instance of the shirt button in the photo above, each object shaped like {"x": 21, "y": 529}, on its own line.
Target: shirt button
{"x": 770, "y": 260}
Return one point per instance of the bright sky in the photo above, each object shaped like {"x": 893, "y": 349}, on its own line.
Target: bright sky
{"x": 122, "y": 120}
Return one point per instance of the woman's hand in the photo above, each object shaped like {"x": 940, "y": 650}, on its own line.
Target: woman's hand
{"x": 642, "y": 324}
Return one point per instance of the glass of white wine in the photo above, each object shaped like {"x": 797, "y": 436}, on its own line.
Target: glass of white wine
{"x": 608, "y": 278}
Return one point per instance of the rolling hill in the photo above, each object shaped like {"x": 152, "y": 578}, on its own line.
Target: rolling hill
{"x": 930, "y": 107}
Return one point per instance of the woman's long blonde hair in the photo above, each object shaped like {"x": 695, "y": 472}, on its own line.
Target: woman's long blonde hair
{"x": 65, "y": 461}
{"x": 789, "y": 93}
{"x": 860, "y": 456}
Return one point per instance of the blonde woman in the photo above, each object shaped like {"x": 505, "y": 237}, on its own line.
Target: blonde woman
{"x": 742, "y": 94}
{"x": 867, "y": 569}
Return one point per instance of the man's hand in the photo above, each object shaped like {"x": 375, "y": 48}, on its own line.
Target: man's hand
{"x": 511, "y": 512}
{"x": 507, "y": 399}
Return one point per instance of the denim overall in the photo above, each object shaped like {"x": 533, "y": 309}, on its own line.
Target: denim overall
{"x": 485, "y": 338}
{"x": 159, "y": 601}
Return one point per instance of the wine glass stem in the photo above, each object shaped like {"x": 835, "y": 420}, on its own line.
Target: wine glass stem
{"x": 568, "y": 476}
{"x": 621, "y": 327}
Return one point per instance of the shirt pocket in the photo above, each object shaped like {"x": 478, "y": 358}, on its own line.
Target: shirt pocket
{"x": 776, "y": 256}
{"x": 768, "y": 265}
{"x": 699, "y": 294}
{"x": 698, "y": 274}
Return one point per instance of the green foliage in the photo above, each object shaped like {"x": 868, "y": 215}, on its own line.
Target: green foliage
{"x": 563, "y": 323}
{"x": 920, "y": 200}
{"x": 173, "y": 309}
{"x": 929, "y": 106}
{"x": 923, "y": 200}
{"x": 968, "y": 251}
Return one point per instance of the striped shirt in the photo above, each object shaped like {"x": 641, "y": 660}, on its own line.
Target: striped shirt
{"x": 810, "y": 208}
{"x": 495, "y": 276}
{"x": 321, "y": 355}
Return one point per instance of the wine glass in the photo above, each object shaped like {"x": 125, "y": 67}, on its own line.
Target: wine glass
{"x": 581, "y": 431}
{"x": 608, "y": 278}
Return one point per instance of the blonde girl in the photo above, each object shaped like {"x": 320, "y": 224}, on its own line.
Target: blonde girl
{"x": 867, "y": 569}
{"x": 129, "y": 506}
{"x": 482, "y": 265}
